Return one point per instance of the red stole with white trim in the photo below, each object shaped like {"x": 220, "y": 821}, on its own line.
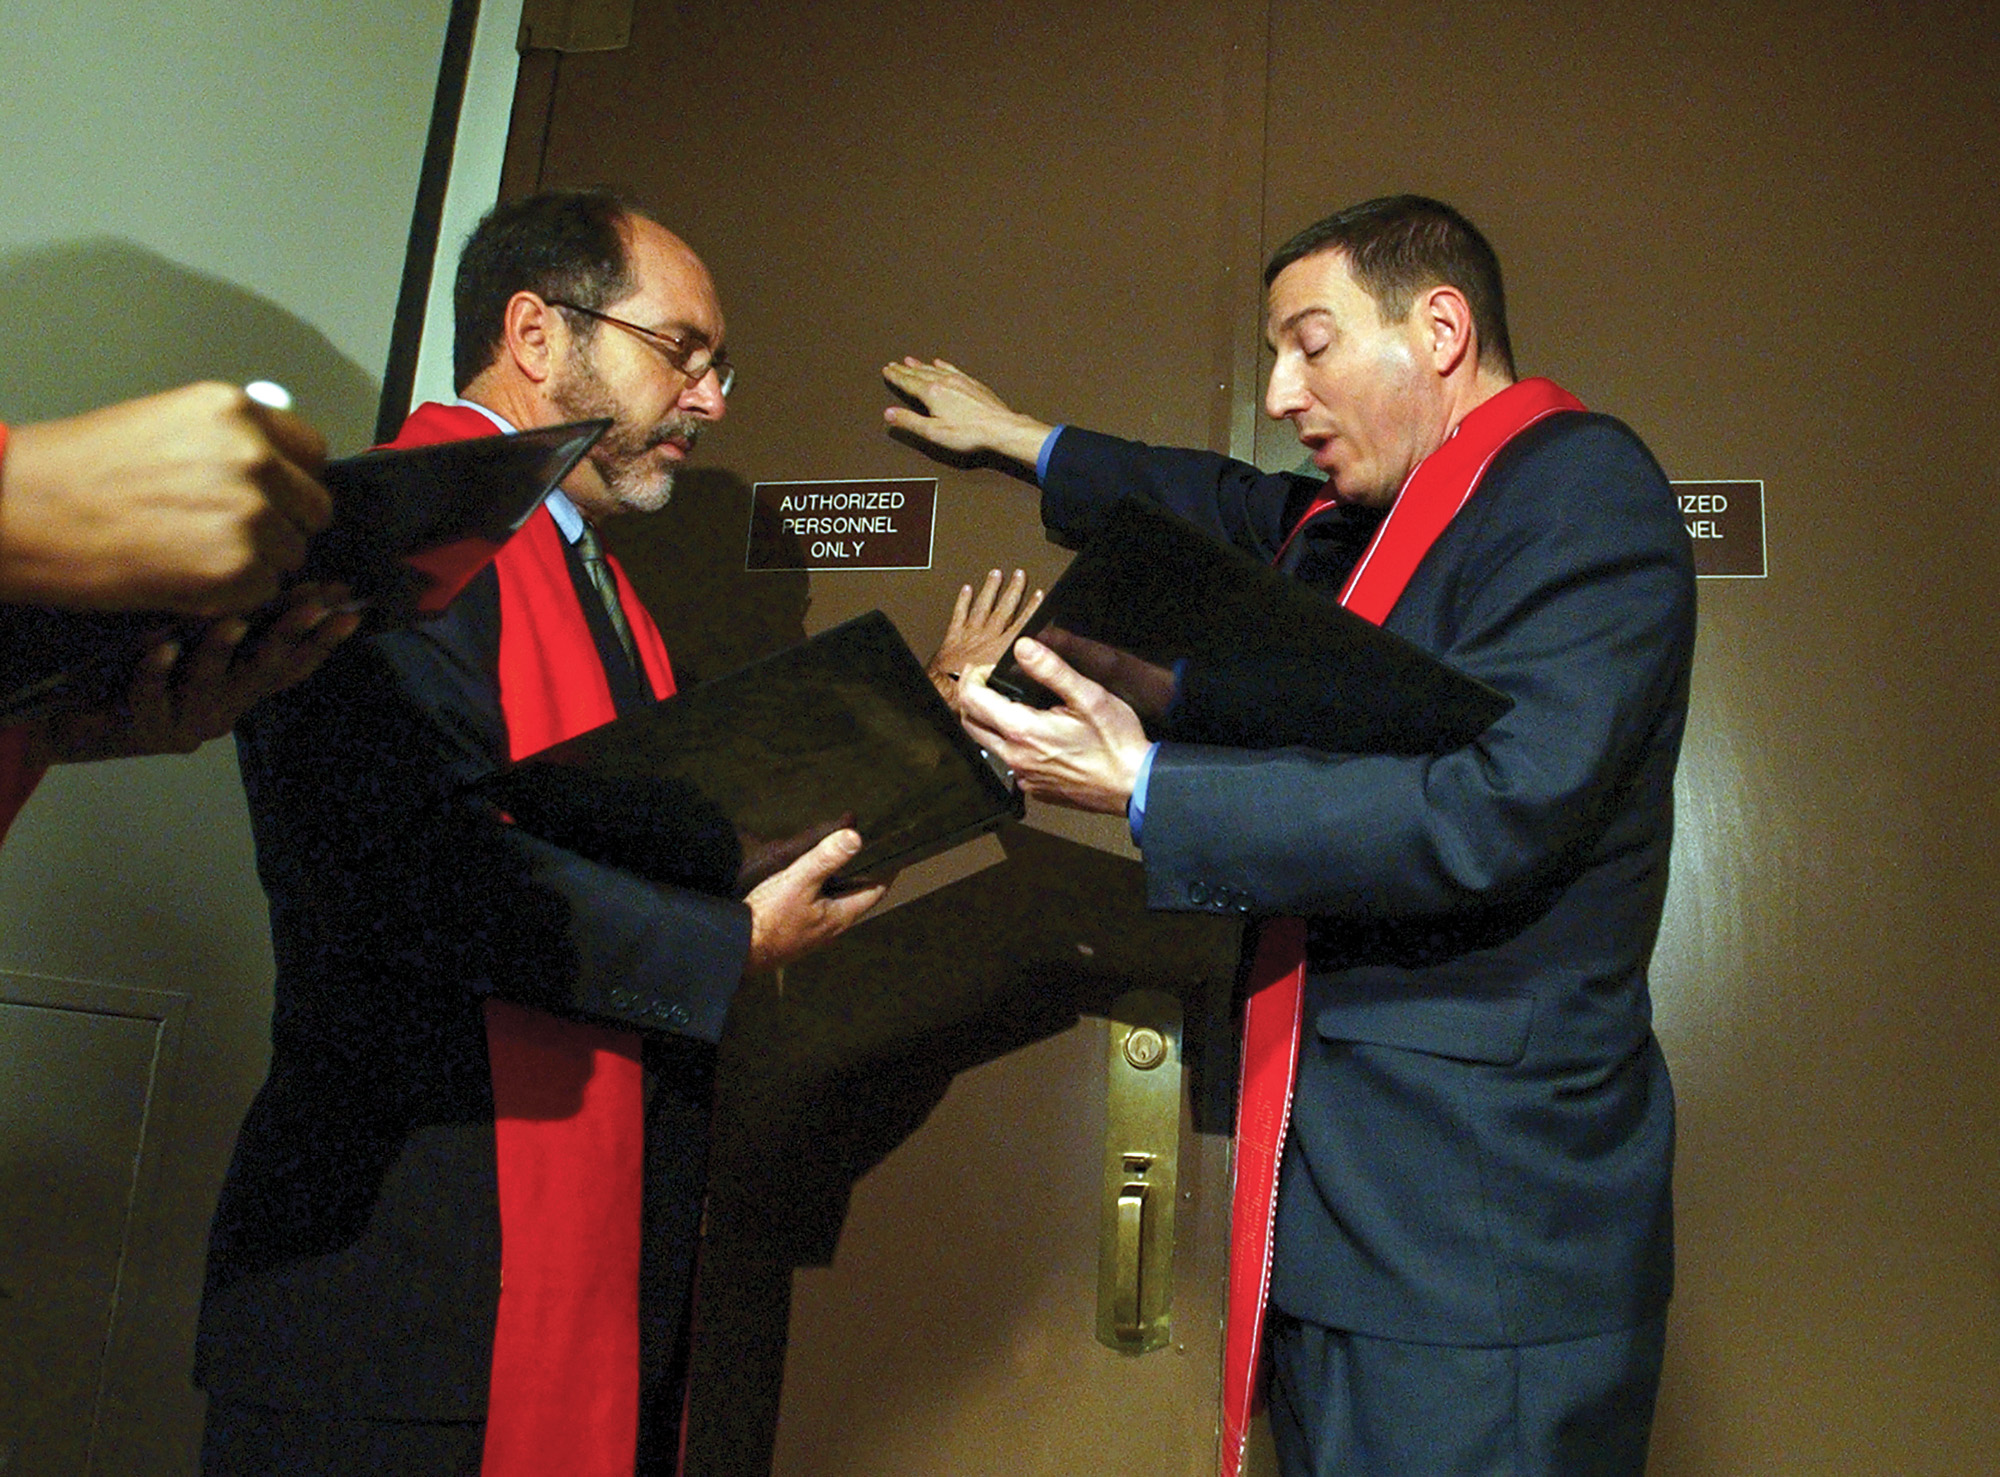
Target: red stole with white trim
{"x": 568, "y": 1098}
{"x": 1440, "y": 486}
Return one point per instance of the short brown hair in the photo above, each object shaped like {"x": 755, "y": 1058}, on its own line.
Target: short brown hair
{"x": 1397, "y": 246}
{"x": 567, "y": 244}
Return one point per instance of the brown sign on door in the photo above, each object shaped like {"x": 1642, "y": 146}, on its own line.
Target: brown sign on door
{"x": 1726, "y": 522}
{"x": 842, "y": 525}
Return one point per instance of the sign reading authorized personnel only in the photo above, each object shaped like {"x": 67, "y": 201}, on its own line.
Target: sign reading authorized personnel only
{"x": 842, "y": 525}
{"x": 1725, "y": 520}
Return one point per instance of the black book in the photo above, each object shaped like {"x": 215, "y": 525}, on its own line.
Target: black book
{"x": 1211, "y": 646}
{"x": 410, "y": 527}
{"x": 842, "y": 729}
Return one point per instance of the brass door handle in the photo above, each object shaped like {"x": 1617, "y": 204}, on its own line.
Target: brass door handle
{"x": 1135, "y": 1252}
{"x": 1131, "y": 1264}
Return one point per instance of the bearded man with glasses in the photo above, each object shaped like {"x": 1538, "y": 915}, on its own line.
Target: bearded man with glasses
{"x": 458, "y": 1231}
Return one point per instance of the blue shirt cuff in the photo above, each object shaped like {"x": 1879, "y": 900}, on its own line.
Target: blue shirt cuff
{"x": 1042, "y": 456}
{"x": 1135, "y": 808}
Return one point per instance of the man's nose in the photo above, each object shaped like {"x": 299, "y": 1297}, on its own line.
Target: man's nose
{"x": 704, "y": 397}
{"x": 1285, "y": 394}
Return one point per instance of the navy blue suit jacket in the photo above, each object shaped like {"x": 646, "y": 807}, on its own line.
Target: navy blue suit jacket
{"x": 1482, "y": 1135}
{"x": 354, "y": 1262}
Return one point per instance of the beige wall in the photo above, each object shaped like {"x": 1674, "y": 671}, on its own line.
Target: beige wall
{"x": 190, "y": 190}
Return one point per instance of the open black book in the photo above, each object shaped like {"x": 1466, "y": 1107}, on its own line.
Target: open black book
{"x": 844, "y": 728}
{"x": 1211, "y": 646}
{"x": 410, "y": 527}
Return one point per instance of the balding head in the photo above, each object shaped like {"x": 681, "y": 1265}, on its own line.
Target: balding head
{"x": 561, "y": 244}
{"x": 574, "y": 306}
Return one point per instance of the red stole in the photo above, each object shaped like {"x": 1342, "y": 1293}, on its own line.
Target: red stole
{"x": 1440, "y": 486}
{"x": 568, "y": 1098}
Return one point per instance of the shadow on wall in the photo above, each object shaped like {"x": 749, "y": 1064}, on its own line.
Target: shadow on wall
{"x": 90, "y": 322}
{"x": 163, "y": 841}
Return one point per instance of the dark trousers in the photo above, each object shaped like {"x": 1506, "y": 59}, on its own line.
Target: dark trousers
{"x": 244, "y": 1439}
{"x": 1343, "y": 1405}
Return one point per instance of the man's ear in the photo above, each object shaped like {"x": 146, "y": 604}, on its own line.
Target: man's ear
{"x": 1446, "y": 318}
{"x": 530, "y": 330}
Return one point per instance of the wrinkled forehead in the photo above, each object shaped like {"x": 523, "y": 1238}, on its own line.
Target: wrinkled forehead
{"x": 672, "y": 290}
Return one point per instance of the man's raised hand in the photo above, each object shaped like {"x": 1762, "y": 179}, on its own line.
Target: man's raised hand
{"x": 983, "y": 625}
{"x": 959, "y": 414}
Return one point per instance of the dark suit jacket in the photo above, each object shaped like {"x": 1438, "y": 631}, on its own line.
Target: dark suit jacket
{"x": 1483, "y": 1128}
{"x": 354, "y": 1263}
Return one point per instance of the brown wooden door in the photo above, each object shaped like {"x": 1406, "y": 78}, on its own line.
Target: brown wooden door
{"x": 1760, "y": 233}
{"x": 1042, "y": 192}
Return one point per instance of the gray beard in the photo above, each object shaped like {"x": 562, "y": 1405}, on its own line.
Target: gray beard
{"x": 633, "y": 488}
{"x": 619, "y": 452}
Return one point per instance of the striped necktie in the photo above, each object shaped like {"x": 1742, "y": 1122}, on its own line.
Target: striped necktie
{"x": 606, "y": 584}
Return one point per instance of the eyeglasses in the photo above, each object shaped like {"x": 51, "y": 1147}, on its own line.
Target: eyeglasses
{"x": 691, "y": 358}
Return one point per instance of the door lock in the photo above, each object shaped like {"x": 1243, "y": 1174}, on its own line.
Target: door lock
{"x": 1135, "y": 1254}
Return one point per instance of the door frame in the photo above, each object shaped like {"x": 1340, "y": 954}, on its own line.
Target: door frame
{"x": 477, "y": 73}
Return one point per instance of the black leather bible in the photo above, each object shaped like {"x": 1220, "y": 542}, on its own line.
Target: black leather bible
{"x": 844, "y": 728}
{"x": 1211, "y": 646}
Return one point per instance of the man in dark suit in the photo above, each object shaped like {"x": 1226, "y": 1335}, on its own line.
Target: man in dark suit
{"x": 1473, "y": 1224}
{"x": 458, "y": 1231}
